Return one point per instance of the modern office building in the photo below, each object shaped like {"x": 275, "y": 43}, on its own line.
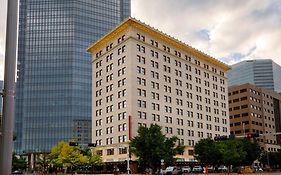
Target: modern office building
{"x": 255, "y": 110}
{"x": 54, "y": 70}
{"x": 263, "y": 73}
{"x": 143, "y": 76}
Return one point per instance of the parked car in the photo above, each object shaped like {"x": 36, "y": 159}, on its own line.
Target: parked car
{"x": 222, "y": 168}
{"x": 17, "y": 172}
{"x": 211, "y": 169}
{"x": 258, "y": 168}
{"x": 172, "y": 170}
{"x": 186, "y": 169}
{"x": 197, "y": 169}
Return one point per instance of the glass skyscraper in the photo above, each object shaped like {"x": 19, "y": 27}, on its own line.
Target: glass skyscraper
{"x": 53, "y": 93}
{"x": 263, "y": 73}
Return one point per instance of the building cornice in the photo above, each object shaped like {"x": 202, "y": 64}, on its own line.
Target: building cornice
{"x": 131, "y": 22}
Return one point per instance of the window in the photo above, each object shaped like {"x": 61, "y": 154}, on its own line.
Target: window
{"x": 109, "y": 57}
{"x": 122, "y": 150}
{"x": 154, "y": 54}
{"x": 155, "y": 95}
{"x": 167, "y": 69}
{"x": 110, "y": 151}
{"x": 178, "y": 63}
{"x": 168, "y": 109}
{"x": 188, "y": 67}
{"x": 122, "y": 116}
{"x": 122, "y": 38}
{"x": 154, "y": 74}
{"x": 109, "y": 88}
{"x": 141, "y": 103}
{"x": 122, "y": 138}
{"x": 141, "y": 92}
{"x": 142, "y": 115}
{"x": 121, "y": 93}
{"x": 168, "y": 99}
{"x": 121, "y": 50}
{"x": 141, "y": 81}
{"x": 167, "y": 59}
{"x": 122, "y": 104}
{"x": 166, "y": 48}
{"x": 167, "y": 78}
{"x": 178, "y": 73}
{"x": 121, "y": 71}
{"x": 177, "y": 53}
{"x": 141, "y": 70}
{"x": 140, "y": 48}
{"x": 122, "y": 127}
{"x": 154, "y": 43}
{"x": 156, "y": 117}
{"x": 154, "y": 85}
{"x": 108, "y": 47}
{"x": 154, "y": 64}
{"x": 155, "y": 106}
{"x": 141, "y": 37}
{"x": 141, "y": 59}
{"x": 121, "y": 60}
{"x": 109, "y": 67}
{"x": 167, "y": 89}
{"x": 109, "y": 77}
{"x": 121, "y": 82}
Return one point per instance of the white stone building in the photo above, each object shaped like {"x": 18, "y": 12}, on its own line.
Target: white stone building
{"x": 143, "y": 76}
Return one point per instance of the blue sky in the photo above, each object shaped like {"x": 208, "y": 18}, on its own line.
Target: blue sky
{"x": 229, "y": 30}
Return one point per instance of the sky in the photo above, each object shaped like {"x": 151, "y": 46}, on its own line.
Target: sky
{"x": 229, "y": 30}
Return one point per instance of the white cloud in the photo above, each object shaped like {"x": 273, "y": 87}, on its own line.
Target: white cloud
{"x": 230, "y": 30}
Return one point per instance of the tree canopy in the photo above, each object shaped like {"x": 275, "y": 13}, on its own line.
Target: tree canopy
{"x": 207, "y": 151}
{"x": 150, "y": 146}
{"x": 71, "y": 157}
{"x": 228, "y": 152}
{"x": 18, "y": 163}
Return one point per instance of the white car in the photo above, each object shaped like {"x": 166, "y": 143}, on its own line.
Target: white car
{"x": 222, "y": 168}
{"x": 172, "y": 170}
{"x": 197, "y": 169}
{"x": 186, "y": 169}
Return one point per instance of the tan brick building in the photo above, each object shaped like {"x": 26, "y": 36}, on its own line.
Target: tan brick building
{"x": 143, "y": 76}
{"x": 255, "y": 110}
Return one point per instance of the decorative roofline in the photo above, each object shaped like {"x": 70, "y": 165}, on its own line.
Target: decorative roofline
{"x": 132, "y": 22}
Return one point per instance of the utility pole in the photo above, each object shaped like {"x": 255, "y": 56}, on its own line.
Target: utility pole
{"x": 6, "y": 138}
{"x": 128, "y": 159}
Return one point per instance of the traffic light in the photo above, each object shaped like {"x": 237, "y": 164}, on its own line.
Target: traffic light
{"x": 92, "y": 144}
{"x": 252, "y": 135}
{"x": 220, "y": 138}
{"x": 73, "y": 144}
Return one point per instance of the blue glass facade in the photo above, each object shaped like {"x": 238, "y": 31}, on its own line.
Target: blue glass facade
{"x": 54, "y": 71}
{"x": 263, "y": 73}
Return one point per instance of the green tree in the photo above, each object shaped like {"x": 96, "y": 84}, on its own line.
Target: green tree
{"x": 252, "y": 150}
{"x": 43, "y": 162}
{"x": 232, "y": 152}
{"x": 273, "y": 158}
{"x": 71, "y": 157}
{"x": 18, "y": 163}
{"x": 150, "y": 146}
{"x": 208, "y": 152}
